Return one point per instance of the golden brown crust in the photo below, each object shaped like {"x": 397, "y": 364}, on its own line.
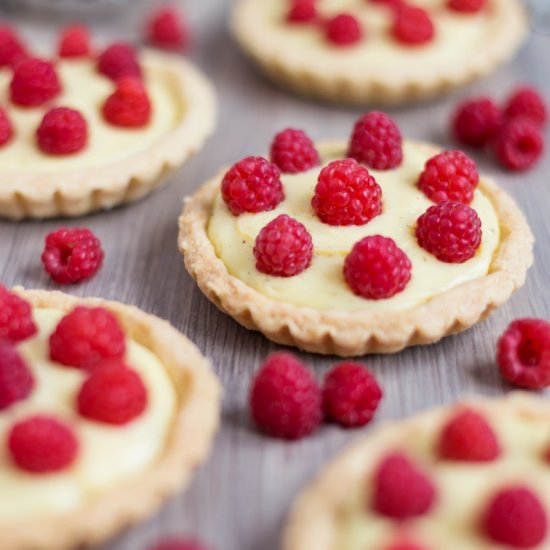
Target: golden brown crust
{"x": 337, "y": 332}
{"x": 78, "y": 192}
{"x": 354, "y": 86}
{"x": 191, "y": 438}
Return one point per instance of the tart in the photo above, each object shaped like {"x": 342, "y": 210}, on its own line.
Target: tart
{"x": 319, "y": 308}
{"x": 351, "y": 51}
{"x": 476, "y": 475}
{"x": 110, "y": 459}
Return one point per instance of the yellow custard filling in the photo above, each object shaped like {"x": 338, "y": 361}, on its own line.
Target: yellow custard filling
{"x": 322, "y": 285}
{"x": 85, "y": 90}
{"x": 107, "y": 455}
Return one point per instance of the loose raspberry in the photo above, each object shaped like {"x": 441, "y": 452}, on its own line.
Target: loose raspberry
{"x": 71, "y": 255}
{"x": 12, "y": 50}
{"x": 468, "y": 437}
{"x": 351, "y": 395}
{"x": 293, "y": 151}
{"x": 519, "y": 144}
{"x": 376, "y": 141}
{"x": 112, "y": 394}
{"x": 63, "y": 131}
{"x": 515, "y": 517}
{"x": 523, "y": 353}
{"x": 75, "y": 42}
{"x": 477, "y": 121}
{"x": 283, "y": 248}
{"x": 449, "y": 176}
{"x": 167, "y": 29}
{"x": 285, "y": 400}
{"x": 118, "y": 61}
{"x": 16, "y": 322}
{"x": 344, "y": 30}
{"x": 42, "y": 444}
{"x": 179, "y": 544}
{"x": 302, "y": 11}
{"x": 401, "y": 490}
{"x": 34, "y": 83}
{"x": 6, "y": 128}
{"x": 451, "y": 231}
{"x": 252, "y": 185}
{"x": 16, "y": 380}
{"x": 376, "y": 268}
{"x": 466, "y": 6}
{"x": 526, "y": 102}
{"x": 129, "y": 106}
{"x": 412, "y": 26}
{"x": 346, "y": 194}
{"x": 86, "y": 337}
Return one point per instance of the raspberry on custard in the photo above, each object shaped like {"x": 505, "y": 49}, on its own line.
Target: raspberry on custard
{"x": 86, "y": 337}
{"x": 252, "y": 185}
{"x": 346, "y": 194}
{"x": 302, "y": 11}
{"x": 285, "y": 399}
{"x": 179, "y": 544}
{"x": 477, "y": 121}
{"x": 118, "y": 61}
{"x": 412, "y": 26}
{"x": 523, "y": 353}
{"x": 16, "y": 320}
{"x": 34, "y": 83}
{"x": 12, "y": 49}
{"x": 376, "y": 141}
{"x": 376, "y": 268}
{"x": 344, "y": 30}
{"x": 527, "y": 102}
{"x": 6, "y": 128}
{"x": 466, "y": 6}
{"x": 168, "y": 29}
{"x": 129, "y": 105}
{"x": 63, "y": 131}
{"x": 293, "y": 151}
{"x": 16, "y": 379}
{"x": 519, "y": 144}
{"x": 75, "y": 41}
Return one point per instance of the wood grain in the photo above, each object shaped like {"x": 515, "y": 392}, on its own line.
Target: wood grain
{"x": 238, "y": 501}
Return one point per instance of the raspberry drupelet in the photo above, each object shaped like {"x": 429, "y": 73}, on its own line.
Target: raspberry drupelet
{"x": 63, "y": 131}
{"x": 412, "y": 26}
{"x": 519, "y": 144}
{"x": 16, "y": 320}
{"x": 34, "y": 83}
{"x": 168, "y": 29}
{"x": 119, "y": 60}
{"x": 302, "y": 11}
{"x": 293, "y": 151}
{"x": 75, "y": 41}
{"x": 6, "y": 128}
{"x": 129, "y": 106}
{"x": 16, "y": 379}
{"x": 344, "y": 30}
{"x": 477, "y": 121}
{"x": 527, "y": 102}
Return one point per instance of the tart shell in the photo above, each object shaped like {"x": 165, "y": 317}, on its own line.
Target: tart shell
{"x": 338, "y": 332}
{"x": 195, "y": 424}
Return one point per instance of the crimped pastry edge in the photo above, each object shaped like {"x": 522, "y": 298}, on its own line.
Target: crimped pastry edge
{"x": 78, "y": 192}
{"x": 195, "y": 424}
{"x": 346, "y": 334}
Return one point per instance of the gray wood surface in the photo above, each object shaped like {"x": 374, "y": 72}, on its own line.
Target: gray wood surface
{"x": 239, "y": 499}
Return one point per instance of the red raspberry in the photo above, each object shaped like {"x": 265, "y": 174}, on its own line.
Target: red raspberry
{"x": 112, "y": 394}
{"x": 129, "y": 106}
{"x": 351, "y": 395}
{"x": 451, "y": 231}
{"x": 302, "y": 11}
{"x": 179, "y": 544}
{"x": 34, "y": 83}
{"x": 401, "y": 490}
{"x": 515, "y": 517}
{"x": 466, "y": 6}
{"x": 252, "y": 185}
{"x": 6, "y": 128}
{"x": 523, "y": 353}
{"x": 343, "y": 30}
{"x": 119, "y": 60}
{"x": 519, "y": 144}
{"x": 376, "y": 268}
{"x": 86, "y": 337}
{"x": 16, "y": 322}
{"x": 12, "y": 50}
{"x": 285, "y": 399}
{"x": 449, "y": 176}
{"x": 346, "y": 194}
{"x": 526, "y": 102}
{"x": 71, "y": 255}
{"x": 412, "y": 26}
{"x": 468, "y": 437}
{"x": 16, "y": 380}
{"x": 63, "y": 131}
{"x": 168, "y": 29}
{"x": 476, "y": 121}
{"x": 283, "y": 248}
{"x": 75, "y": 41}
{"x": 293, "y": 151}
{"x": 376, "y": 141}
{"x": 42, "y": 444}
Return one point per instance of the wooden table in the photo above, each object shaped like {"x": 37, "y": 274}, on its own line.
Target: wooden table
{"x": 239, "y": 499}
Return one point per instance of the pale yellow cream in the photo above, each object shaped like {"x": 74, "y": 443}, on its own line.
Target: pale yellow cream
{"x": 108, "y": 454}
{"x": 322, "y": 285}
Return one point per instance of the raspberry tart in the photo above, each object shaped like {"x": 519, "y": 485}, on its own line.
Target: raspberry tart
{"x": 364, "y": 247}
{"x": 378, "y": 51}
{"x": 472, "y": 475}
{"x": 105, "y": 411}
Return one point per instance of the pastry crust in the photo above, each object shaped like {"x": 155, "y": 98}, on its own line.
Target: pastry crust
{"x": 352, "y": 85}
{"x": 195, "y": 424}
{"x": 314, "y": 519}
{"x": 338, "y": 332}
{"x": 78, "y": 192}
